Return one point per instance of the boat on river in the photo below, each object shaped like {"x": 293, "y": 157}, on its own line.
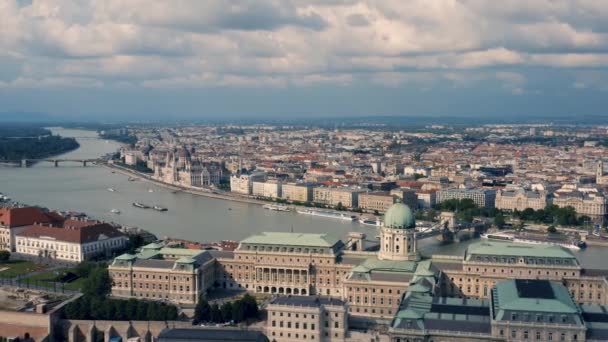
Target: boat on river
{"x": 115, "y": 211}
{"x": 369, "y": 222}
{"x": 111, "y": 190}
{"x": 328, "y": 214}
{"x": 159, "y": 208}
{"x": 141, "y": 205}
{"x": 276, "y": 207}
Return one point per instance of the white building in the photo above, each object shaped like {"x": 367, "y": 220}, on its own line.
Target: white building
{"x": 75, "y": 240}
{"x": 243, "y": 183}
{"x": 15, "y": 220}
{"x": 268, "y": 189}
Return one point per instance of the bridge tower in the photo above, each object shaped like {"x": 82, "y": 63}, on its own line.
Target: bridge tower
{"x": 56, "y": 162}
{"x": 24, "y": 163}
{"x": 84, "y": 163}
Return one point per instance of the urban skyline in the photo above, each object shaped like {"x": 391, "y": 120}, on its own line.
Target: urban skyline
{"x": 149, "y": 60}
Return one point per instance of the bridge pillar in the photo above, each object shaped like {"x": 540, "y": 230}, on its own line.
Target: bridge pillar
{"x": 56, "y": 162}
{"x": 23, "y": 162}
{"x": 84, "y": 163}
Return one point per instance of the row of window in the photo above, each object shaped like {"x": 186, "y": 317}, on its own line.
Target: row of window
{"x": 381, "y": 290}
{"x": 373, "y": 300}
{"x": 538, "y": 335}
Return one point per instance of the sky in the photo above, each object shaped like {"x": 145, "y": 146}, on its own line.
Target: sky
{"x": 150, "y": 59}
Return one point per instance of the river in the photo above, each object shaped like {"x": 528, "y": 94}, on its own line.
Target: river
{"x": 85, "y": 189}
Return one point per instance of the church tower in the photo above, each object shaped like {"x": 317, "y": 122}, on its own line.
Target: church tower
{"x": 398, "y": 235}
{"x": 599, "y": 176}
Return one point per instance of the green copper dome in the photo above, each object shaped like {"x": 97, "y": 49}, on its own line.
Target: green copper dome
{"x": 400, "y": 216}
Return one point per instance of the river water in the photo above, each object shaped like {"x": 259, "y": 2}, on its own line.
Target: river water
{"x": 85, "y": 189}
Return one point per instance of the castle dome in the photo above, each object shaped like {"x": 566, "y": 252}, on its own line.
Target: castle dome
{"x": 399, "y": 216}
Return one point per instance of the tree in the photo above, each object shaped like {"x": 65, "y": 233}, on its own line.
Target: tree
{"x": 98, "y": 284}
{"x": 5, "y": 256}
{"x": 250, "y": 306}
{"x": 142, "y": 310}
{"x": 340, "y": 206}
{"x": 226, "y": 311}
{"x": 551, "y": 229}
{"x": 499, "y": 220}
{"x": 215, "y": 314}
{"x": 202, "y": 311}
{"x": 238, "y": 315}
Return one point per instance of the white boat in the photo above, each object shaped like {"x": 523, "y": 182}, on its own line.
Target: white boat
{"x": 115, "y": 211}
{"x": 498, "y": 237}
{"x": 159, "y": 208}
{"x": 276, "y": 207}
{"x": 150, "y": 190}
{"x": 329, "y": 214}
{"x": 111, "y": 189}
{"x": 368, "y": 222}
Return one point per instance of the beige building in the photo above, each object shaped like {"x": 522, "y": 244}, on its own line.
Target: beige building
{"x": 347, "y": 197}
{"x": 600, "y": 177}
{"x": 181, "y": 168}
{"x": 487, "y": 263}
{"x": 299, "y": 192}
{"x": 294, "y": 319}
{"x": 521, "y": 200}
{"x": 157, "y": 273}
{"x": 584, "y": 201}
{"x": 243, "y": 183}
{"x": 376, "y": 201}
{"x": 407, "y": 196}
{"x": 268, "y": 189}
{"x": 371, "y": 281}
{"x": 426, "y": 198}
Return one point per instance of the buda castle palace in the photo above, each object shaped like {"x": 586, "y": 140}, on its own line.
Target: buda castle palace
{"x": 387, "y": 281}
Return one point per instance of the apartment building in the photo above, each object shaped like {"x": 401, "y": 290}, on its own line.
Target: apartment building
{"x": 483, "y": 198}
{"x": 376, "y": 201}
{"x": 299, "y": 192}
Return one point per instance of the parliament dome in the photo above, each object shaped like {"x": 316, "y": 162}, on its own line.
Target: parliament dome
{"x": 399, "y": 216}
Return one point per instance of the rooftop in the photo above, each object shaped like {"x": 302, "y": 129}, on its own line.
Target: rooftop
{"x": 517, "y": 250}
{"x": 292, "y": 239}
{"x": 531, "y": 295}
{"x": 308, "y": 301}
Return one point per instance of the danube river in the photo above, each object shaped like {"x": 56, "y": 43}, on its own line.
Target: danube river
{"x": 85, "y": 189}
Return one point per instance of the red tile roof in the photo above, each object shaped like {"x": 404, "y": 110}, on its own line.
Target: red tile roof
{"x": 76, "y": 231}
{"x": 19, "y": 217}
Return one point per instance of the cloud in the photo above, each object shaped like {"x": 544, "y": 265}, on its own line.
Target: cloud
{"x": 270, "y": 43}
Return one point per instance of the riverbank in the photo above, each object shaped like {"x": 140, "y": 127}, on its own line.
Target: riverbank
{"x": 16, "y": 145}
{"x": 229, "y": 196}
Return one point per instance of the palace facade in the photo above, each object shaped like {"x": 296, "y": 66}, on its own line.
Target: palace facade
{"x": 370, "y": 277}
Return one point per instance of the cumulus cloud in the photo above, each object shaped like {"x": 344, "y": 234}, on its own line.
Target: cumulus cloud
{"x": 273, "y": 43}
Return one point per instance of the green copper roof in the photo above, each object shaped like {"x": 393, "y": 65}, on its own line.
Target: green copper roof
{"x": 153, "y": 246}
{"x": 126, "y": 256}
{"x": 417, "y": 305}
{"x": 181, "y": 251}
{"x": 185, "y": 261}
{"x": 399, "y": 215}
{"x": 292, "y": 239}
{"x": 554, "y": 298}
{"x": 375, "y": 264}
{"x": 517, "y": 250}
